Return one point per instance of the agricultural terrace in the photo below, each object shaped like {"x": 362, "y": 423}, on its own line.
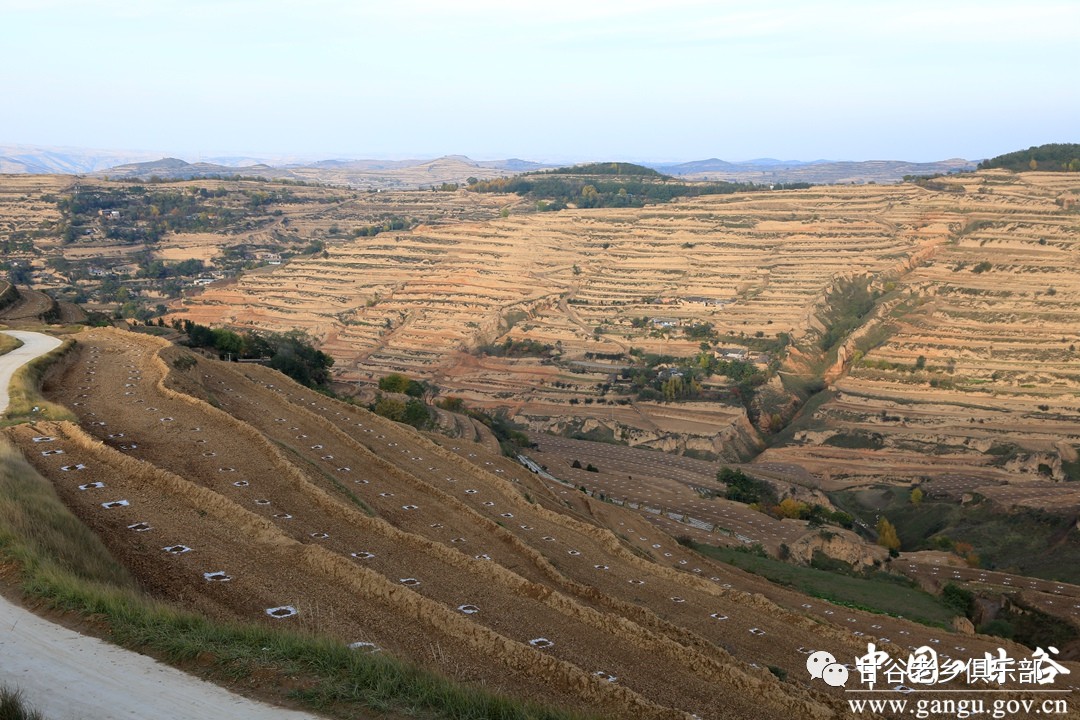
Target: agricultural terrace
{"x": 251, "y": 497}
{"x": 580, "y": 290}
{"x": 132, "y": 245}
{"x": 968, "y": 379}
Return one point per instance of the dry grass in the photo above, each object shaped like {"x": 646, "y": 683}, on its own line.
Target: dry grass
{"x": 975, "y": 383}
{"x": 25, "y": 390}
{"x": 9, "y": 343}
{"x": 1001, "y": 338}
{"x": 580, "y": 280}
{"x": 42, "y": 535}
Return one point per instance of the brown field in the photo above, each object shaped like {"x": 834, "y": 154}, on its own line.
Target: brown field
{"x": 419, "y": 302}
{"x": 277, "y": 487}
{"x": 444, "y": 288}
{"x": 662, "y": 484}
{"x": 998, "y": 400}
{"x": 980, "y": 282}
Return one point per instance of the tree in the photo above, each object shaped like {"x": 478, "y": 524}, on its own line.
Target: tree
{"x": 745, "y": 489}
{"x": 451, "y": 404}
{"x": 959, "y": 600}
{"x": 390, "y": 408}
{"x": 589, "y": 197}
{"x": 673, "y": 388}
{"x": 416, "y": 414}
{"x": 789, "y": 507}
{"x": 916, "y": 496}
{"x": 20, "y": 274}
{"x": 394, "y": 382}
{"x": 227, "y": 341}
{"x": 887, "y": 536}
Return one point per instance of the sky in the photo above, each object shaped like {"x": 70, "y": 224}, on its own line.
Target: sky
{"x": 665, "y": 80}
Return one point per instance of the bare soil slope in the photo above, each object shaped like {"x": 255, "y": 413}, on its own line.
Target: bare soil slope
{"x": 451, "y": 556}
{"x": 971, "y": 382}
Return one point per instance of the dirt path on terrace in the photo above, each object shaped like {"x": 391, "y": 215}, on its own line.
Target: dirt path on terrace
{"x": 68, "y": 675}
{"x": 30, "y": 306}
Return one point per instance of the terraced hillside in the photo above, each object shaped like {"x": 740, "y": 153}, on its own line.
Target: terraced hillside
{"x": 964, "y": 371}
{"x": 72, "y": 235}
{"x": 28, "y": 214}
{"x": 763, "y": 259}
{"x": 243, "y": 495}
{"x": 967, "y": 378}
{"x": 592, "y": 285}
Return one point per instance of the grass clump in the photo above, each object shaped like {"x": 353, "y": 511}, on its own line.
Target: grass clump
{"x": 13, "y": 707}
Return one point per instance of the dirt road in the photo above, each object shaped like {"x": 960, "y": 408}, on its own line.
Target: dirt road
{"x": 69, "y": 676}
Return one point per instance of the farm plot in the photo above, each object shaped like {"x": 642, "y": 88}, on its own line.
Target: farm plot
{"x": 976, "y": 377}
{"x": 256, "y": 522}
{"x": 418, "y": 572}
{"x": 586, "y": 284}
{"x": 654, "y": 483}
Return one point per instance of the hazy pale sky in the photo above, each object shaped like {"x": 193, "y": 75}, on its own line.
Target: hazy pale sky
{"x": 554, "y": 80}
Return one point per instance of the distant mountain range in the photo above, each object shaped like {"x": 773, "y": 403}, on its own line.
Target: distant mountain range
{"x": 372, "y": 174}
{"x": 403, "y": 174}
{"x": 17, "y": 159}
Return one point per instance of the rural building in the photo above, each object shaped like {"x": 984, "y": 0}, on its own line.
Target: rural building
{"x": 703, "y": 301}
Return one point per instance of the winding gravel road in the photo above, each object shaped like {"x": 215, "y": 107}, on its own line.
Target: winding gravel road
{"x": 69, "y": 676}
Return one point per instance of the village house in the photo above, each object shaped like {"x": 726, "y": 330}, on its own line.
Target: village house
{"x": 703, "y": 301}
{"x": 665, "y": 322}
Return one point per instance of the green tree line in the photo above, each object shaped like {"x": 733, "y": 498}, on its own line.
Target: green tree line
{"x": 290, "y": 353}
{"x": 1053, "y": 157}
{"x": 553, "y": 191}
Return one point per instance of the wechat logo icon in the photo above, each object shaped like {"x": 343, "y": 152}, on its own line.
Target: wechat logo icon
{"x": 823, "y": 666}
